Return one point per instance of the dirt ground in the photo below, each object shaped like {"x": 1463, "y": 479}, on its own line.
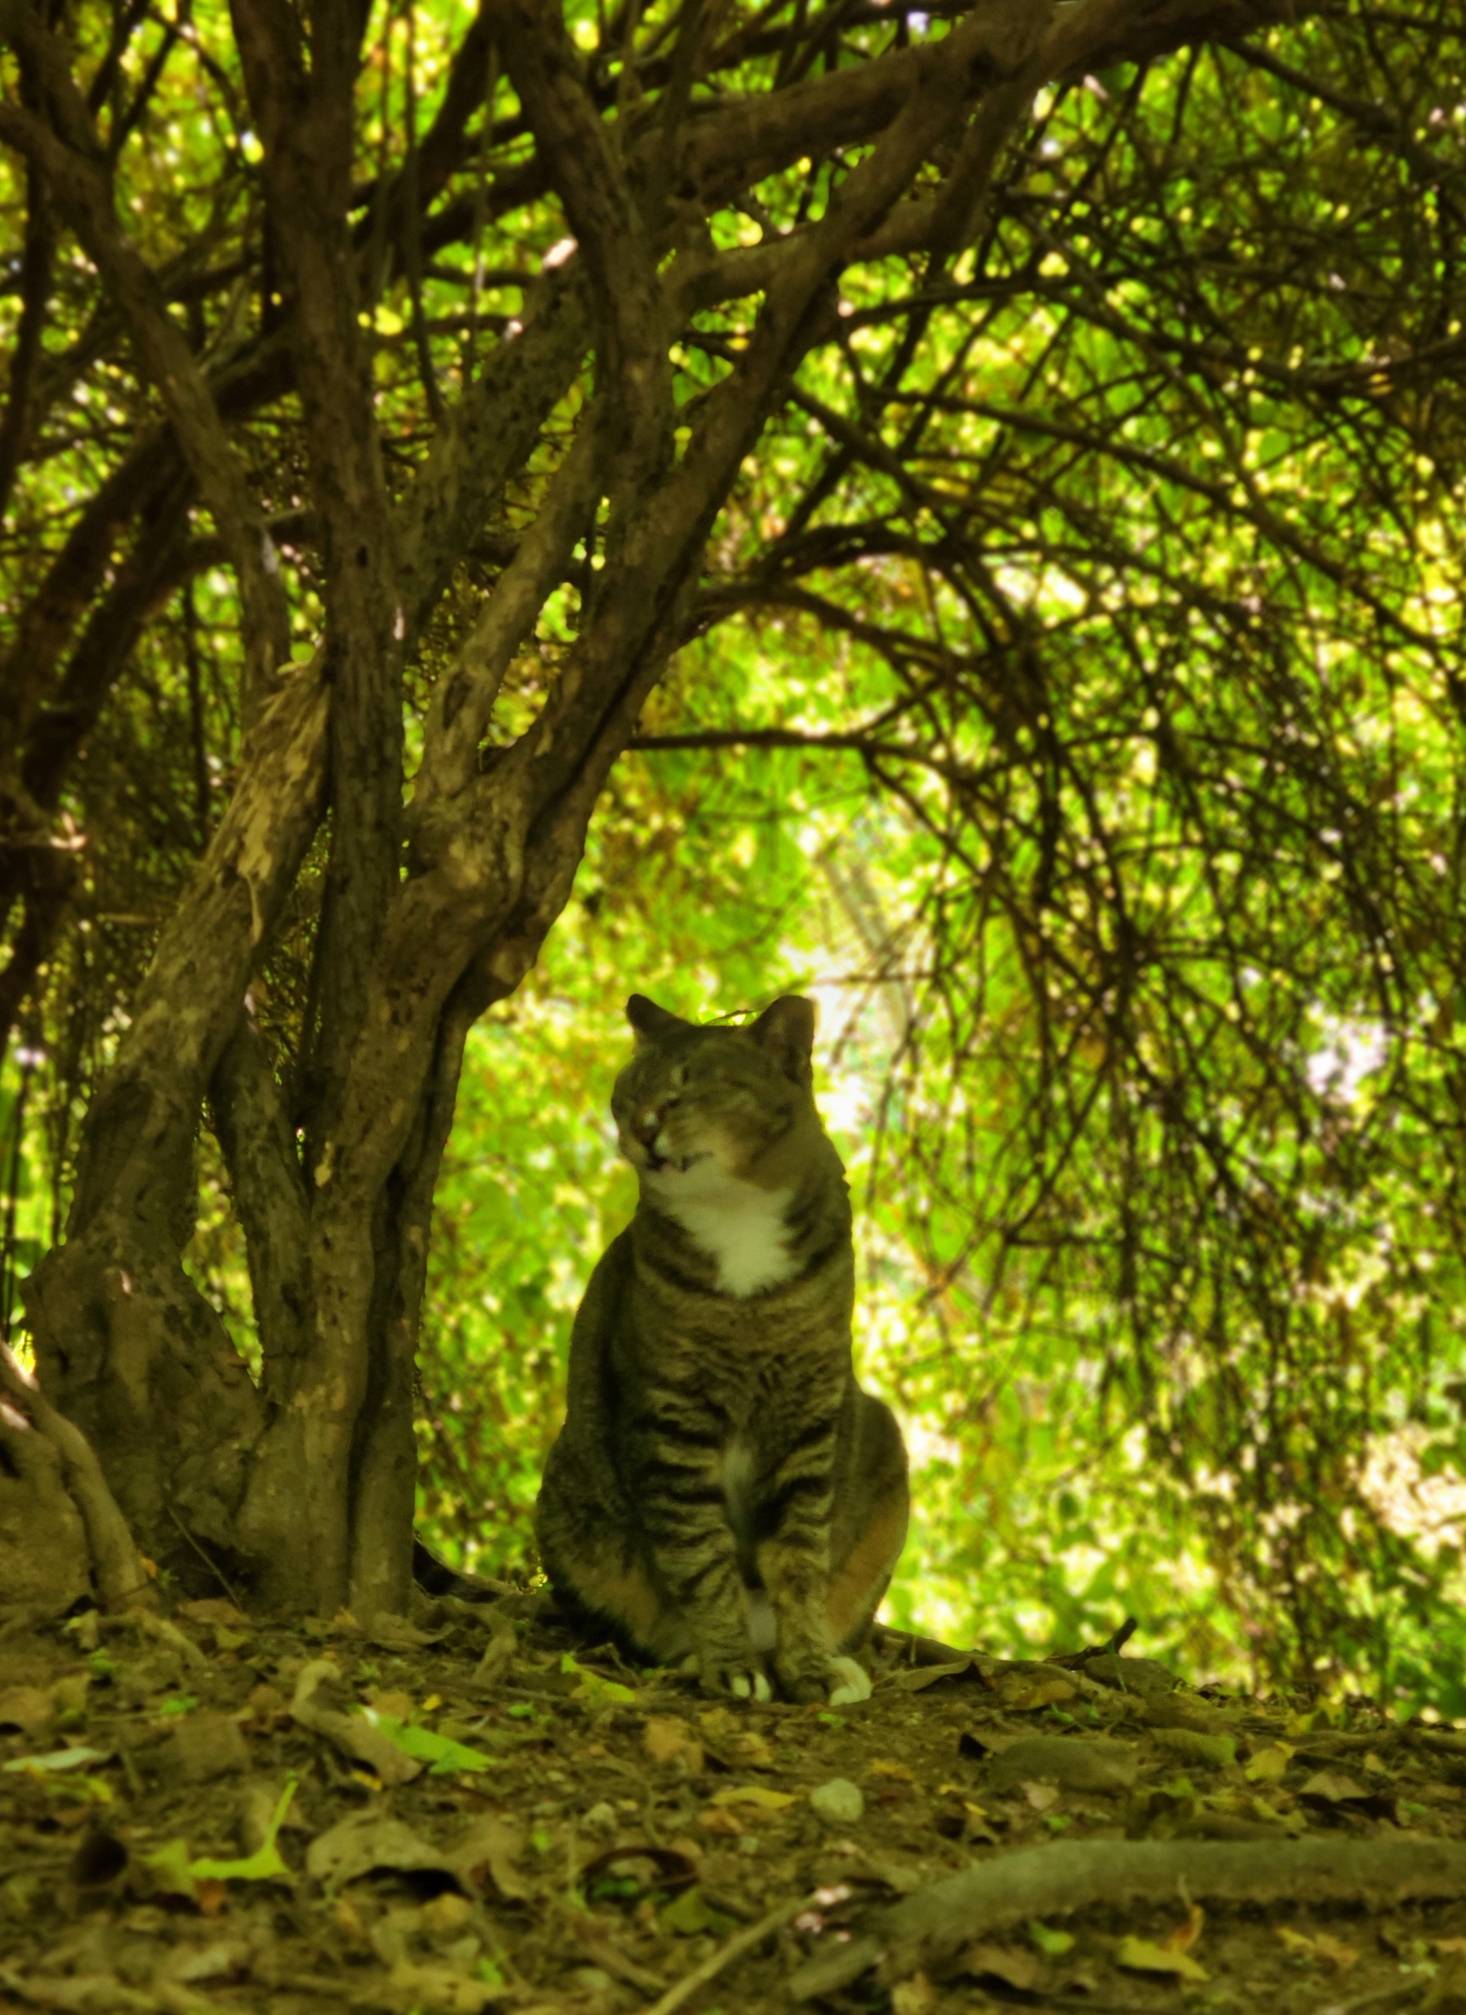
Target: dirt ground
{"x": 466, "y": 1812}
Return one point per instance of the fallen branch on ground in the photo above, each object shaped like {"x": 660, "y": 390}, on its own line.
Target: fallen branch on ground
{"x": 1038, "y": 1882}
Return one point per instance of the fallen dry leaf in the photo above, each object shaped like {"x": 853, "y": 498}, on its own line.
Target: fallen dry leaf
{"x": 214, "y": 1609}
{"x": 1215, "y": 1751}
{"x": 1333, "y": 1787}
{"x": 1185, "y": 1935}
{"x": 760, "y": 1795}
{"x": 667, "y": 1738}
{"x": 312, "y": 1709}
{"x": 490, "y": 1844}
{"x": 28, "y": 1708}
{"x": 393, "y": 1701}
{"x": 446, "y": 1915}
{"x": 917, "y": 1678}
{"x": 732, "y": 1740}
{"x": 1144, "y": 1955}
{"x": 914, "y": 1996}
{"x": 1026, "y": 1692}
{"x": 1013, "y": 1965}
{"x": 1321, "y": 1946}
{"x": 444, "y": 1989}
{"x": 1266, "y": 1766}
{"x": 500, "y": 1651}
{"x": 691, "y": 1915}
{"x": 718, "y": 1819}
{"x": 750, "y": 1750}
{"x": 367, "y": 1841}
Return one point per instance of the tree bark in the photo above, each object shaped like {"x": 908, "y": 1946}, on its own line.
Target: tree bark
{"x": 301, "y": 1485}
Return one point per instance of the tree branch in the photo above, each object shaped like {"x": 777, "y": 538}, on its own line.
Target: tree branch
{"x": 66, "y": 152}
{"x": 854, "y": 741}
{"x": 258, "y": 1144}
{"x": 305, "y": 121}
{"x": 635, "y": 405}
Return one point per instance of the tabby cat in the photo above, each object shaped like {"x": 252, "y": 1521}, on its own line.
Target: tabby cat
{"x": 723, "y": 1494}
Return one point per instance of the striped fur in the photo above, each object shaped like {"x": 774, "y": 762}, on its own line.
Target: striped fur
{"x": 723, "y": 1493}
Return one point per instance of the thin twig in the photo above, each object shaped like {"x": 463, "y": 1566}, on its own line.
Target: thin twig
{"x": 733, "y": 1949}
{"x": 208, "y": 1559}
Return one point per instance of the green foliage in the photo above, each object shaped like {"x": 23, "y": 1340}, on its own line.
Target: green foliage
{"x": 1072, "y": 704}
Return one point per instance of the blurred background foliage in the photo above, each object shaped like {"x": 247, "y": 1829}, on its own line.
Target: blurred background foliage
{"x": 1074, "y": 707}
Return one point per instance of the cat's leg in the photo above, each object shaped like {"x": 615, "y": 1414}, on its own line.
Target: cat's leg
{"x": 838, "y": 1509}
{"x": 671, "y": 1477}
{"x": 806, "y": 1663}
{"x": 596, "y": 1569}
{"x": 868, "y": 1532}
{"x": 697, "y": 1566}
{"x": 604, "y": 1587}
{"x": 793, "y": 1562}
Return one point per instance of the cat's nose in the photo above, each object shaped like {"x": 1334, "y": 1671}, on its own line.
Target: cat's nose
{"x": 648, "y": 1122}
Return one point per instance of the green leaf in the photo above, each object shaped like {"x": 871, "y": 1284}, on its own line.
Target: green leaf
{"x": 1052, "y": 1943}
{"x": 691, "y": 1915}
{"x": 176, "y": 1871}
{"x": 441, "y": 1753}
{"x": 592, "y": 1686}
{"x": 57, "y": 1759}
{"x": 1143, "y": 1955}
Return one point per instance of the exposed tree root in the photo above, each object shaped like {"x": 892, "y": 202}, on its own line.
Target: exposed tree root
{"x": 935, "y": 1922}
{"x": 117, "y": 1570}
{"x": 908, "y": 1647}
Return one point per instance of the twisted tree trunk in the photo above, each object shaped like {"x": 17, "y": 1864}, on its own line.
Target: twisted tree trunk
{"x": 298, "y": 1487}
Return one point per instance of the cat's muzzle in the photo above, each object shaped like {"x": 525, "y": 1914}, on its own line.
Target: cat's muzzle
{"x": 656, "y": 1161}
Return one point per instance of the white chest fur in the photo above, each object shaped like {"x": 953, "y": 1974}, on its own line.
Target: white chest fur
{"x": 736, "y": 1223}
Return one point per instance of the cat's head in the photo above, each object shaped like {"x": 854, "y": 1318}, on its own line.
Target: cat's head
{"x": 698, "y": 1104}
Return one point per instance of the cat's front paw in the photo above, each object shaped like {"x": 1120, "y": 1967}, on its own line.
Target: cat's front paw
{"x": 820, "y": 1675}
{"x": 849, "y": 1681}
{"x": 735, "y": 1676}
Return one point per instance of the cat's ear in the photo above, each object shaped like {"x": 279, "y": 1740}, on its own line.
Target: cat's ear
{"x": 650, "y": 1022}
{"x": 785, "y": 1032}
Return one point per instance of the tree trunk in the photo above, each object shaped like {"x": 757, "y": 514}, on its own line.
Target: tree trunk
{"x": 298, "y": 1488}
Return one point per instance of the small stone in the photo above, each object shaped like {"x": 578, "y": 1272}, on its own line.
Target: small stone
{"x": 839, "y": 1802}
{"x": 601, "y": 1818}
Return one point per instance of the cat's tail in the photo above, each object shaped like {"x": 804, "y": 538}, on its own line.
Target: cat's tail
{"x": 436, "y": 1577}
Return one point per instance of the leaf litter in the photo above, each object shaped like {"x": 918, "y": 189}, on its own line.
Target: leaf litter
{"x": 468, "y": 1810}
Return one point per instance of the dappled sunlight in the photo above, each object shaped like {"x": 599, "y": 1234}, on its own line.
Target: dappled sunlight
{"x": 1018, "y": 608}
